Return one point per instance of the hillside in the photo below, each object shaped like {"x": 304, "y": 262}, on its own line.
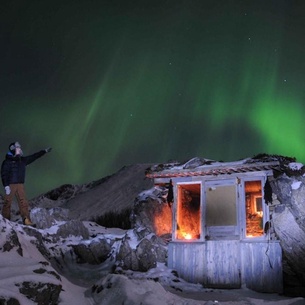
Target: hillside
{"x": 113, "y": 193}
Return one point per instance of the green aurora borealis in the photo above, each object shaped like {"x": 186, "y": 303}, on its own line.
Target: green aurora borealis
{"x": 113, "y": 83}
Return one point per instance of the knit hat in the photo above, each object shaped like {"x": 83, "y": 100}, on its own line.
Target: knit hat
{"x": 12, "y": 147}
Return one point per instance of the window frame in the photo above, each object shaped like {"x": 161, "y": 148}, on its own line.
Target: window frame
{"x": 175, "y": 213}
{"x": 227, "y": 231}
{"x": 265, "y": 209}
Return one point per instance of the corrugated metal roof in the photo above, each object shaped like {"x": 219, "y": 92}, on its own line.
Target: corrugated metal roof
{"x": 215, "y": 169}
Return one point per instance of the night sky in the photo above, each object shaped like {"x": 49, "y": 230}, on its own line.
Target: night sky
{"x": 113, "y": 83}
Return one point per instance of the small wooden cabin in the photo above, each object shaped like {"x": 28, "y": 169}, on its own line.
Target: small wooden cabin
{"x": 222, "y": 225}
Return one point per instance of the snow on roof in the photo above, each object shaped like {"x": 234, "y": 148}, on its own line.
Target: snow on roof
{"x": 204, "y": 167}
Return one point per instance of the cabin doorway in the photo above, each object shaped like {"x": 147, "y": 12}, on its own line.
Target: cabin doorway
{"x": 222, "y": 234}
{"x": 221, "y": 217}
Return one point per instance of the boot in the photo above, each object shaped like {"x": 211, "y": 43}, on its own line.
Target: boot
{"x": 27, "y": 222}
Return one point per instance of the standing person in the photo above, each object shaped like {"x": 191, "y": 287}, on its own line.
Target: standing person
{"x": 13, "y": 177}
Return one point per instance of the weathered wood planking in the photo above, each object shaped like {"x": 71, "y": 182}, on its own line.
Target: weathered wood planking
{"x": 262, "y": 266}
{"x": 223, "y": 264}
{"x": 229, "y": 264}
{"x": 188, "y": 259}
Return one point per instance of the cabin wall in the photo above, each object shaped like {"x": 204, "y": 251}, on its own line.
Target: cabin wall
{"x": 262, "y": 266}
{"x": 229, "y": 264}
{"x": 189, "y": 260}
{"x": 223, "y": 264}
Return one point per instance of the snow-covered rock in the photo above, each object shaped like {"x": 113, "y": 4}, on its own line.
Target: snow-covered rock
{"x": 289, "y": 224}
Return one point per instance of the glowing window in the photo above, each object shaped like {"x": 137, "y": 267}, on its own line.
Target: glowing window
{"x": 188, "y": 211}
{"x": 254, "y": 208}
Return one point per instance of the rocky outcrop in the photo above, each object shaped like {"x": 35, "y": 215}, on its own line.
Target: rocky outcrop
{"x": 150, "y": 206}
{"x": 9, "y": 301}
{"x": 45, "y": 218}
{"x": 152, "y": 213}
{"x": 92, "y": 253}
{"x": 12, "y": 241}
{"x": 40, "y": 293}
{"x": 39, "y": 282}
{"x": 288, "y": 219}
{"x": 141, "y": 257}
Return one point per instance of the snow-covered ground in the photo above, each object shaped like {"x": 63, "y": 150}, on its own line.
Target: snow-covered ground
{"x": 158, "y": 286}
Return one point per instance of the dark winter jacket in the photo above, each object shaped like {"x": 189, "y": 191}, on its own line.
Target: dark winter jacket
{"x": 13, "y": 167}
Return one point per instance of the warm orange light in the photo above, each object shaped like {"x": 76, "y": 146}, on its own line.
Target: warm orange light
{"x": 186, "y": 235}
{"x": 163, "y": 220}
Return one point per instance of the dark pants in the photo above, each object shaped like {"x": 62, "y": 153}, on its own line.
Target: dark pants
{"x": 18, "y": 191}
